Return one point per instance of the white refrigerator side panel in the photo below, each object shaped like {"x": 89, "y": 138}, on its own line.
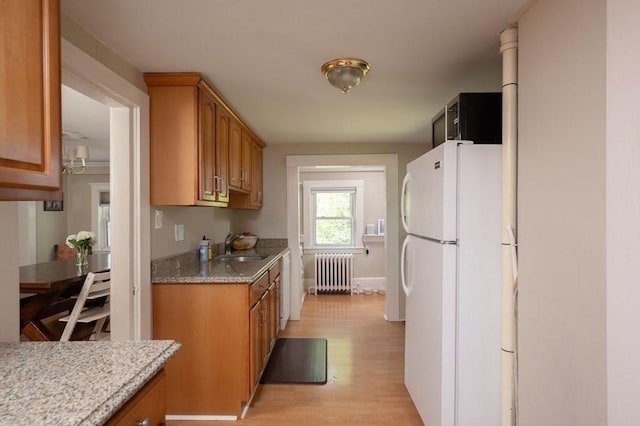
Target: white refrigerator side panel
{"x": 430, "y": 330}
{"x": 479, "y": 286}
{"x": 430, "y": 196}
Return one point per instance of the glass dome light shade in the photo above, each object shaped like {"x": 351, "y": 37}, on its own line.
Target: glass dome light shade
{"x": 344, "y": 78}
{"x": 345, "y": 73}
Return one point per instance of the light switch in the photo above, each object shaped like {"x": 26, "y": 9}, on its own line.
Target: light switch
{"x": 158, "y": 221}
{"x": 179, "y": 231}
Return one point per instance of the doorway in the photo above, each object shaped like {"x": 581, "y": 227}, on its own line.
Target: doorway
{"x": 389, "y": 163}
{"x": 129, "y": 171}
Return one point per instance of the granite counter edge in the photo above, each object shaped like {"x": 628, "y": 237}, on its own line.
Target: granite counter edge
{"x": 103, "y": 413}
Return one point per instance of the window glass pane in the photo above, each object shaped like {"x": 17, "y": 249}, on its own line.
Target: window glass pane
{"x": 333, "y": 232}
{"x": 104, "y": 226}
{"x": 105, "y": 197}
{"x": 333, "y": 204}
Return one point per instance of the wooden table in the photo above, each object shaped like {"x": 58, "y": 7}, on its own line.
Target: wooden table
{"x": 48, "y": 282}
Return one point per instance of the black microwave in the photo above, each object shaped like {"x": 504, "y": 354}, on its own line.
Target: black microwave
{"x": 469, "y": 116}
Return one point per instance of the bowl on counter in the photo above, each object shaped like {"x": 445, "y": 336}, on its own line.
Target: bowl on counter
{"x": 245, "y": 242}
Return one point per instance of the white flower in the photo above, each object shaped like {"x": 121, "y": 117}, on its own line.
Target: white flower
{"x": 82, "y": 239}
{"x": 86, "y": 235}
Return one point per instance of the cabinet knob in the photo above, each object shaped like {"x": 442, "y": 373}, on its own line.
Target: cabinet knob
{"x": 144, "y": 422}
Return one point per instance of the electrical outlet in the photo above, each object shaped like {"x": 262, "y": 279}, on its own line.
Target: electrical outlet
{"x": 158, "y": 221}
{"x": 179, "y": 231}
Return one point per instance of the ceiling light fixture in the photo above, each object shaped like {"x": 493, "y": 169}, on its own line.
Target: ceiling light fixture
{"x": 345, "y": 73}
{"x": 80, "y": 152}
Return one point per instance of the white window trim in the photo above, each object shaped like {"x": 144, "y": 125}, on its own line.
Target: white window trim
{"x": 308, "y": 186}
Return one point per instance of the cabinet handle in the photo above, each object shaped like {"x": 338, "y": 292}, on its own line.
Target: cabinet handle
{"x": 144, "y": 422}
{"x": 242, "y": 175}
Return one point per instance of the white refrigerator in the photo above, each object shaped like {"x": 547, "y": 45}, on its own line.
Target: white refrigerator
{"x": 451, "y": 276}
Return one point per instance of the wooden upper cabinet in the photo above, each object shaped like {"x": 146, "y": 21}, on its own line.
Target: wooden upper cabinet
{"x": 186, "y": 158}
{"x": 196, "y": 142}
{"x": 30, "y": 123}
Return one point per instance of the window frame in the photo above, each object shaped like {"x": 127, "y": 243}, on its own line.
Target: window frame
{"x": 354, "y": 186}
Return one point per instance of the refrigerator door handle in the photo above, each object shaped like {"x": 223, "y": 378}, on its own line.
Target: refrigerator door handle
{"x": 403, "y": 200}
{"x": 403, "y": 276}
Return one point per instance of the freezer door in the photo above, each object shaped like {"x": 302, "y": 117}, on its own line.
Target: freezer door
{"x": 430, "y": 329}
{"x": 428, "y": 203}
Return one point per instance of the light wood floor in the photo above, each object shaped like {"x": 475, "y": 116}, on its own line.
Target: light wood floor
{"x": 365, "y": 370}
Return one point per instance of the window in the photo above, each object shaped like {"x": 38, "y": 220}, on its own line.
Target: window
{"x": 333, "y": 214}
{"x": 101, "y": 216}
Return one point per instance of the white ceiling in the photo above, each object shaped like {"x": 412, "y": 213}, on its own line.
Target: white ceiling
{"x": 85, "y": 122}
{"x": 265, "y": 57}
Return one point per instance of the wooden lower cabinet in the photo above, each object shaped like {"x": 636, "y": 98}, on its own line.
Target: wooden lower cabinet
{"x": 225, "y": 334}
{"x": 148, "y": 405}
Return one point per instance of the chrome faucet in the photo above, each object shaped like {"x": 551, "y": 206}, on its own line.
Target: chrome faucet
{"x": 228, "y": 240}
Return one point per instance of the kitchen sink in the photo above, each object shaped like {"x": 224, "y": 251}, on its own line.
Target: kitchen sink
{"x": 242, "y": 258}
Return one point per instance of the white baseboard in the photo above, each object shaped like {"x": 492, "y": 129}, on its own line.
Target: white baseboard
{"x": 373, "y": 283}
{"x": 192, "y": 417}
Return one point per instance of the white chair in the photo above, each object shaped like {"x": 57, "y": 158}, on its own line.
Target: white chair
{"x": 95, "y": 286}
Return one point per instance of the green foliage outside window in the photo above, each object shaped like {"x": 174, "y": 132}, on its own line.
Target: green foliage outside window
{"x": 334, "y": 218}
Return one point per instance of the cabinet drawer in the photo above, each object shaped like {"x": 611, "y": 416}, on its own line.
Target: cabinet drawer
{"x": 258, "y": 288}
{"x": 148, "y": 404}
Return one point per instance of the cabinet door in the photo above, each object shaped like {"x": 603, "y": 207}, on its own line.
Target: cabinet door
{"x": 206, "y": 147}
{"x": 246, "y": 171}
{"x": 222, "y": 154}
{"x": 272, "y": 316}
{"x": 255, "y": 350}
{"x": 264, "y": 330}
{"x": 235, "y": 154}
{"x": 277, "y": 306}
{"x": 30, "y": 127}
{"x": 256, "y": 166}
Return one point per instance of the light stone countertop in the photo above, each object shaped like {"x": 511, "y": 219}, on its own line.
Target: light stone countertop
{"x": 74, "y": 383}
{"x": 187, "y": 268}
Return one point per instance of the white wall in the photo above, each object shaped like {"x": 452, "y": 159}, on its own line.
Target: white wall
{"x": 373, "y": 264}
{"x": 212, "y": 222}
{"x": 561, "y": 214}
{"x": 623, "y": 212}
{"x": 51, "y": 228}
{"x": 271, "y": 220}
{"x": 9, "y": 273}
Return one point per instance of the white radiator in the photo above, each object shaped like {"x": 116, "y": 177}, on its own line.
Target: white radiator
{"x": 334, "y": 273}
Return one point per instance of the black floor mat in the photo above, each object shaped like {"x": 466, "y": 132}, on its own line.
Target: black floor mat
{"x": 295, "y": 360}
